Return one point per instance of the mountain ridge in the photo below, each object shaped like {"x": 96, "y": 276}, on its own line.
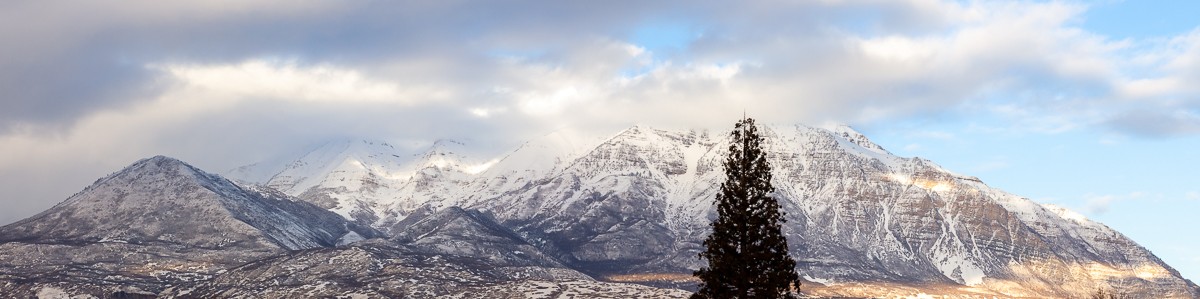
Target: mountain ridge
{"x": 561, "y": 212}
{"x": 607, "y": 205}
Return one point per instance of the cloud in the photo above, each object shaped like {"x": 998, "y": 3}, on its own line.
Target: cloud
{"x": 288, "y": 81}
{"x": 218, "y": 129}
{"x": 1193, "y": 195}
{"x": 1157, "y": 123}
{"x": 850, "y": 61}
{"x": 65, "y": 60}
{"x": 1099, "y": 204}
{"x": 87, "y": 87}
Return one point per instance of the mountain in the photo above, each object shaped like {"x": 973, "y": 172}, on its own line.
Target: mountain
{"x": 608, "y": 208}
{"x": 564, "y": 215}
{"x": 371, "y": 183}
{"x": 161, "y": 228}
{"x": 635, "y": 206}
{"x": 450, "y": 252}
{"x": 156, "y": 223}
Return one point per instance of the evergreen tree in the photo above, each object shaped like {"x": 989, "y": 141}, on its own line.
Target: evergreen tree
{"x": 747, "y": 253}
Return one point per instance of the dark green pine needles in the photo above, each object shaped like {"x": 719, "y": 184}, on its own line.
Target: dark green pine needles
{"x": 747, "y": 253}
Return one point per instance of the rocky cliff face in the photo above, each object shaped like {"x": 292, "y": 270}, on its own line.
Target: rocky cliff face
{"x": 639, "y": 203}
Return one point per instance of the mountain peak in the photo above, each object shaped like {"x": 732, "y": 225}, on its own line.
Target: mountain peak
{"x": 161, "y": 167}
{"x": 162, "y": 200}
{"x": 158, "y": 162}
{"x": 445, "y": 154}
{"x": 447, "y": 143}
{"x": 848, "y": 133}
{"x": 639, "y": 128}
{"x": 159, "y": 159}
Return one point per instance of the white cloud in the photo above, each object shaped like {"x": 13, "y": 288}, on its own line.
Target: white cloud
{"x": 1193, "y": 195}
{"x": 261, "y": 79}
{"x": 922, "y": 56}
{"x": 900, "y": 49}
{"x": 213, "y": 90}
{"x": 1099, "y": 204}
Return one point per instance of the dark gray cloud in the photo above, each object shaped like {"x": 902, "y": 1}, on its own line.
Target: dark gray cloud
{"x": 72, "y": 62}
{"x": 63, "y": 60}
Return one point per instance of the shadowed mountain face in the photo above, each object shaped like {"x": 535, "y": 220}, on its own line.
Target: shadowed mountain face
{"x": 465, "y": 233}
{"x": 158, "y": 222}
{"x": 382, "y": 269}
{"x": 638, "y": 204}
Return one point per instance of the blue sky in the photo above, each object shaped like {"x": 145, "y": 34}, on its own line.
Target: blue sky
{"x": 1093, "y": 105}
{"x": 1140, "y": 19}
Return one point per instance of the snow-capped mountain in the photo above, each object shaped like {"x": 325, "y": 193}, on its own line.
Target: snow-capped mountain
{"x": 638, "y": 204}
{"x": 162, "y": 228}
{"x": 158, "y": 222}
{"x": 370, "y": 182}
{"x": 161, "y": 200}
{"x": 564, "y": 215}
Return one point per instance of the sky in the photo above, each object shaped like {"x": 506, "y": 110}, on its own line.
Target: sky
{"x": 1091, "y": 105}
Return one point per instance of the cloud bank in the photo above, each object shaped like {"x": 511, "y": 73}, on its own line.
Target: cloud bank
{"x": 88, "y": 86}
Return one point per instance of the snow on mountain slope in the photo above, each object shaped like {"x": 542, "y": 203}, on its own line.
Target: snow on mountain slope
{"x": 153, "y": 224}
{"x": 536, "y": 159}
{"x": 639, "y": 202}
{"x": 545, "y": 155}
{"x": 381, "y": 269}
{"x": 857, "y": 213}
{"x": 372, "y": 182}
{"x": 465, "y": 233}
{"x": 163, "y": 200}
{"x": 607, "y": 209}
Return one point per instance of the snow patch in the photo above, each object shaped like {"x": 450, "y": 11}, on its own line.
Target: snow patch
{"x": 1065, "y": 213}
{"x": 821, "y": 281}
{"x": 49, "y": 292}
{"x": 971, "y": 275}
{"x": 350, "y": 237}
